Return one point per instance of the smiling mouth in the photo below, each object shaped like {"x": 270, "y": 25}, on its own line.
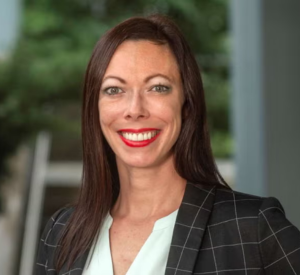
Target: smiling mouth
{"x": 138, "y": 138}
{"x": 147, "y": 135}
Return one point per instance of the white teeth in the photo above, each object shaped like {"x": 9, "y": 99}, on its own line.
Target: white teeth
{"x": 139, "y": 136}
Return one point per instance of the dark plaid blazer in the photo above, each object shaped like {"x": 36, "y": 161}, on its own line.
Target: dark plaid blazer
{"x": 217, "y": 231}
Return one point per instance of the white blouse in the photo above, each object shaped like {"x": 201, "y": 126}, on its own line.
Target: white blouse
{"x": 151, "y": 259}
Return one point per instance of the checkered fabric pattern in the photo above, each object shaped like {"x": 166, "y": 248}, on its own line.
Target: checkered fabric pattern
{"x": 217, "y": 232}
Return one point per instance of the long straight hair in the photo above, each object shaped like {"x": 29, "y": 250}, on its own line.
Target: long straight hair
{"x": 100, "y": 183}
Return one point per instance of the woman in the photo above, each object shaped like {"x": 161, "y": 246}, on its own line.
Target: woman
{"x": 152, "y": 199}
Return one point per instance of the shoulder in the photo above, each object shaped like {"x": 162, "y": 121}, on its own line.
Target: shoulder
{"x": 279, "y": 239}
{"x": 50, "y": 238}
{"x": 235, "y": 213}
{"x": 62, "y": 215}
{"x": 56, "y": 224}
{"x": 259, "y": 221}
{"x": 232, "y": 205}
{"x": 240, "y": 204}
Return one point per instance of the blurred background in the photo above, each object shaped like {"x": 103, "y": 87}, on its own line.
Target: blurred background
{"x": 248, "y": 52}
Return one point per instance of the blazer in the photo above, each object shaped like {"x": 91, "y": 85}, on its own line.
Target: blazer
{"x": 217, "y": 232}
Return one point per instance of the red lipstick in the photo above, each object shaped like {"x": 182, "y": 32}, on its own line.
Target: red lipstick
{"x": 142, "y": 143}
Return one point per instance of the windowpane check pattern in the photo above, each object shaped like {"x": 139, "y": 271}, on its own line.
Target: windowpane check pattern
{"x": 217, "y": 232}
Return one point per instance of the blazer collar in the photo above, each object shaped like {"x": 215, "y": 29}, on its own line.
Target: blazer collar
{"x": 192, "y": 217}
{"x": 189, "y": 228}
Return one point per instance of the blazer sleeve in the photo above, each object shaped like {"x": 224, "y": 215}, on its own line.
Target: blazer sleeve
{"x": 41, "y": 267}
{"x": 279, "y": 240}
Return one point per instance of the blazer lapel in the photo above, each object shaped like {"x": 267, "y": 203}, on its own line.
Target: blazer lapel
{"x": 189, "y": 228}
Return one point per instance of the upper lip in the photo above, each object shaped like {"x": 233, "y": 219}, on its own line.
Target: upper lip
{"x": 138, "y": 130}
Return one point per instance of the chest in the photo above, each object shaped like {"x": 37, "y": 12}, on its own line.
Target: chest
{"x": 125, "y": 243}
{"x": 123, "y": 248}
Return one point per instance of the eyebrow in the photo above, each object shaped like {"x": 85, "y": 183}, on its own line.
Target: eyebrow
{"x": 145, "y": 80}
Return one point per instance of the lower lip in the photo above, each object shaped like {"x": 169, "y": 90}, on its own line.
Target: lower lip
{"x": 142, "y": 143}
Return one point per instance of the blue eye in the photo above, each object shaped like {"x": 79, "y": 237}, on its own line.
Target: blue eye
{"x": 112, "y": 90}
{"x": 161, "y": 88}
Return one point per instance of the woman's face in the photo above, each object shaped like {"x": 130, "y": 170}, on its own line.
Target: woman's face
{"x": 140, "y": 103}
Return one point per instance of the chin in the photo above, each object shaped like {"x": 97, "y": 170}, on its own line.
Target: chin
{"x": 142, "y": 161}
{"x": 139, "y": 163}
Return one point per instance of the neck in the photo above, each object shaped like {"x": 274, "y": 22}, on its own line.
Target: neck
{"x": 148, "y": 192}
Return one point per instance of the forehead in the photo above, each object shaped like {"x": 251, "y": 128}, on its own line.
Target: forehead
{"x": 141, "y": 58}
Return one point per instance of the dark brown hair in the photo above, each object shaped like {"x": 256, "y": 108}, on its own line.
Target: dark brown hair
{"x": 100, "y": 184}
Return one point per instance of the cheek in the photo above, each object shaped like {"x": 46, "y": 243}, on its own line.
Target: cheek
{"x": 173, "y": 110}
{"x": 106, "y": 115}
{"x": 170, "y": 112}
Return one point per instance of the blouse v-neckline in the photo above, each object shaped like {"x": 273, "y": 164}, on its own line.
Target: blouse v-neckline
{"x": 102, "y": 250}
{"x": 159, "y": 224}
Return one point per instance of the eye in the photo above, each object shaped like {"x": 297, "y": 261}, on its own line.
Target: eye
{"x": 161, "y": 88}
{"x": 112, "y": 90}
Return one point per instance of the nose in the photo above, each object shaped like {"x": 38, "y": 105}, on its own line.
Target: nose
{"x": 136, "y": 107}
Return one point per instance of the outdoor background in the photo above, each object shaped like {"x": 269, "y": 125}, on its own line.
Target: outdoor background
{"x": 44, "y": 50}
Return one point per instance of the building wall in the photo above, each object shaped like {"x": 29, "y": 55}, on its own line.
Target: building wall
{"x": 266, "y": 96}
{"x": 281, "y": 87}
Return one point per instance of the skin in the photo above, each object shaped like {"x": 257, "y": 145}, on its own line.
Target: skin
{"x": 150, "y": 187}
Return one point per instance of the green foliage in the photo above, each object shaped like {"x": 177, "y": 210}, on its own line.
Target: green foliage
{"x": 44, "y": 74}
